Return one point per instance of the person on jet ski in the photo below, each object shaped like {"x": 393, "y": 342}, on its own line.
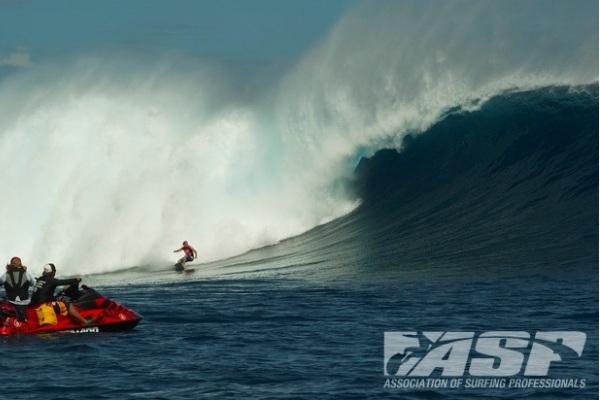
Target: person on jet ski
{"x": 16, "y": 282}
{"x": 44, "y": 293}
{"x": 190, "y": 253}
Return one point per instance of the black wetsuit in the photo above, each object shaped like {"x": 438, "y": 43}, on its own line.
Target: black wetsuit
{"x": 44, "y": 288}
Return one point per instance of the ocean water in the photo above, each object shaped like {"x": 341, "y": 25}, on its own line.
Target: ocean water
{"x": 486, "y": 222}
{"x": 420, "y": 187}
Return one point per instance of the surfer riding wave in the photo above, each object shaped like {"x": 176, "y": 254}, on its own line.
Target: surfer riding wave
{"x": 190, "y": 253}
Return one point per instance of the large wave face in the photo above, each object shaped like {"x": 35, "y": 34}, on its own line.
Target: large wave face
{"x": 513, "y": 186}
{"x": 510, "y": 189}
{"x": 109, "y": 161}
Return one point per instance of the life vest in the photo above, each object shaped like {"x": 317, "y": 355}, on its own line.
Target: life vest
{"x": 16, "y": 284}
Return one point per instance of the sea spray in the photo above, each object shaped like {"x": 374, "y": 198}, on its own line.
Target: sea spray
{"x": 109, "y": 168}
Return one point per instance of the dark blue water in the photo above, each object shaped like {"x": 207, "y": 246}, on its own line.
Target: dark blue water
{"x": 486, "y": 222}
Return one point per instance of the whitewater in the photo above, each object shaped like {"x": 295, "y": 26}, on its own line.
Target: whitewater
{"x": 115, "y": 160}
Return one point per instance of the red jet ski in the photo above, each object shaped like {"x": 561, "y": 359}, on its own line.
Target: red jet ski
{"x": 107, "y": 316}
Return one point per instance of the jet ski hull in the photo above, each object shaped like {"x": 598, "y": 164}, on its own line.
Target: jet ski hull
{"x": 107, "y": 316}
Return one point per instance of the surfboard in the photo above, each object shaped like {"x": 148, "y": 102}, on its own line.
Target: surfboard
{"x": 179, "y": 268}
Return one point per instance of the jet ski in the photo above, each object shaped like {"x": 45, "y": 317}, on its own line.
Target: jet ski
{"x": 105, "y": 315}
